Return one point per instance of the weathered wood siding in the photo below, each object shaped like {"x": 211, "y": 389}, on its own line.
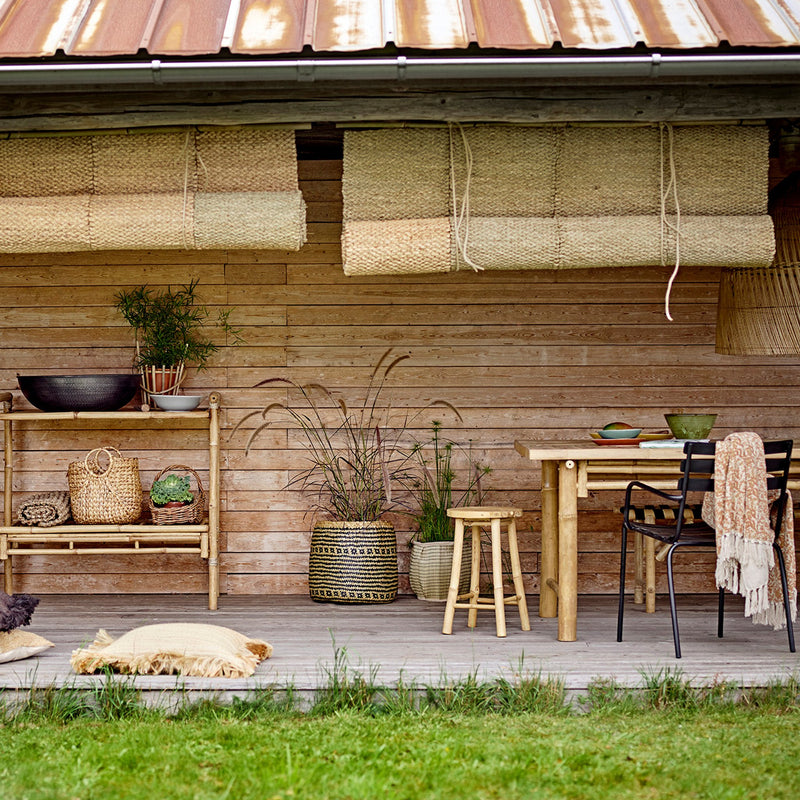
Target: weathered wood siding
{"x": 522, "y": 355}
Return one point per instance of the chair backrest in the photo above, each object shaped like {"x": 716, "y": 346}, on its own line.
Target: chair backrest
{"x": 698, "y": 473}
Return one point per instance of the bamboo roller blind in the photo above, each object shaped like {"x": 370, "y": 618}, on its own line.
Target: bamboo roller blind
{"x": 184, "y": 189}
{"x": 514, "y": 197}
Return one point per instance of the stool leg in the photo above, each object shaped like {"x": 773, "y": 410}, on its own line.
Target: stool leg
{"x": 516, "y": 574}
{"x": 497, "y": 579}
{"x": 474, "y": 577}
{"x": 455, "y": 575}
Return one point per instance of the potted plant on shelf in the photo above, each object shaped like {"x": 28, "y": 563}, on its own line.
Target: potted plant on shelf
{"x": 358, "y": 460}
{"x": 171, "y": 499}
{"x": 170, "y": 330}
{"x": 432, "y": 544}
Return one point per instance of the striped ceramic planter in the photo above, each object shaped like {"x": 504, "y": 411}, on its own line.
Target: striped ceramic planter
{"x": 353, "y": 562}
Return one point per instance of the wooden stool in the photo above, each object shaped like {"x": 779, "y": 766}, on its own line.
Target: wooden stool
{"x": 477, "y": 517}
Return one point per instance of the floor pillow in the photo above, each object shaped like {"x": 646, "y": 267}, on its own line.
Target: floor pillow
{"x": 192, "y": 649}
{"x": 16, "y": 645}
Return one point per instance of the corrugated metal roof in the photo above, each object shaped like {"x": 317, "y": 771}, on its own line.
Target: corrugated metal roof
{"x": 110, "y": 28}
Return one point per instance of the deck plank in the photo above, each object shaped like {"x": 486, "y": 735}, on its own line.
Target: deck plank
{"x": 402, "y": 640}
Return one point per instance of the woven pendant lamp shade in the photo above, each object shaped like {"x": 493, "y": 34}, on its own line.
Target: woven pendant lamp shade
{"x": 759, "y": 311}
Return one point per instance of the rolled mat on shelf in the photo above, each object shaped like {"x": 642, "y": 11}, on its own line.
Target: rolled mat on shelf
{"x": 45, "y": 509}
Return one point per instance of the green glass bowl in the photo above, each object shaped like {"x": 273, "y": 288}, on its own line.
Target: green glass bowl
{"x": 690, "y": 426}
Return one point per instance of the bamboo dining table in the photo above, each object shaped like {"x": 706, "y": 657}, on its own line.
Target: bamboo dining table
{"x": 570, "y": 470}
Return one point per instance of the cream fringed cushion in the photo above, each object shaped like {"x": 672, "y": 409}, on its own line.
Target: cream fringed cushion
{"x": 16, "y": 645}
{"x": 192, "y": 649}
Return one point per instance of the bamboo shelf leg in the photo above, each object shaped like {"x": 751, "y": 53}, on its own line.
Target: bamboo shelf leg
{"x": 8, "y": 475}
{"x": 213, "y": 502}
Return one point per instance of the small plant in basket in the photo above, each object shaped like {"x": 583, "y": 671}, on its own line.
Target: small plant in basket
{"x": 171, "y": 499}
{"x": 172, "y": 491}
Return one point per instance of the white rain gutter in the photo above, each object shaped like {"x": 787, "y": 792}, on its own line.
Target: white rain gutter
{"x": 400, "y": 68}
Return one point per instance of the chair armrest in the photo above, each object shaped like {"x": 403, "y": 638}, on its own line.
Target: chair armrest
{"x": 650, "y": 490}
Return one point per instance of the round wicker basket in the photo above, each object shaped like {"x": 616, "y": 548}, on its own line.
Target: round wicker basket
{"x": 188, "y": 514}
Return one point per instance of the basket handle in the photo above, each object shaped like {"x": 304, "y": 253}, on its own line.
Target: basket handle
{"x": 91, "y": 461}
{"x": 181, "y": 468}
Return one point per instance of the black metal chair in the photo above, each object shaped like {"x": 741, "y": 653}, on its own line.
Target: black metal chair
{"x": 698, "y": 476}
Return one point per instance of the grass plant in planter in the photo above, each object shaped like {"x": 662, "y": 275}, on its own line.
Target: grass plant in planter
{"x": 358, "y": 462}
{"x": 171, "y": 332}
{"x": 432, "y": 544}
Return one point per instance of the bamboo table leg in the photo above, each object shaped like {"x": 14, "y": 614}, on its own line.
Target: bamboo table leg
{"x": 548, "y": 573}
{"x": 650, "y": 573}
{"x": 567, "y": 551}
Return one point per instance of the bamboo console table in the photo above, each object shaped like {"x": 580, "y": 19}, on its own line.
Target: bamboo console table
{"x": 137, "y": 538}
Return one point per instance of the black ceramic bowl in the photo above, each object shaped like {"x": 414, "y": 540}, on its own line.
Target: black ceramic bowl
{"x": 79, "y": 392}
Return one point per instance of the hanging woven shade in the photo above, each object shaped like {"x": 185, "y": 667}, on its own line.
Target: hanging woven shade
{"x": 759, "y": 311}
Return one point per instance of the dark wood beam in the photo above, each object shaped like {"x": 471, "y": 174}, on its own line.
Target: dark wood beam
{"x": 370, "y": 103}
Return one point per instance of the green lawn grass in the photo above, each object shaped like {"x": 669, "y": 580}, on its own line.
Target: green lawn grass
{"x": 667, "y": 741}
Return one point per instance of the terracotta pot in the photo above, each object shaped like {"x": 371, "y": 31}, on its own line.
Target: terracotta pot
{"x": 162, "y": 380}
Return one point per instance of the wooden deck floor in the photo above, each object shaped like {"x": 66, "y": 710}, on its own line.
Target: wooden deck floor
{"x": 403, "y": 639}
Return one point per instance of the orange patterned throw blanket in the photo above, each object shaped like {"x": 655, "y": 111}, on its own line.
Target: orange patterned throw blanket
{"x": 739, "y": 510}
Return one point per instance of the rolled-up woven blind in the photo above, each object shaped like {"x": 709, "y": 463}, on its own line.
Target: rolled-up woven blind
{"x": 550, "y": 197}
{"x": 184, "y": 189}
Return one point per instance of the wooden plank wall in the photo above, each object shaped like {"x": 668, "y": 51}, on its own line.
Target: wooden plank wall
{"x": 522, "y": 354}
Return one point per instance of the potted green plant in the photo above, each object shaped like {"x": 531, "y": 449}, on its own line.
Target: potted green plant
{"x": 432, "y": 544}
{"x": 170, "y": 332}
{"x": 172, "y": 491}
{"x": 171, "y": 499}
{"x": 358, "y": 460}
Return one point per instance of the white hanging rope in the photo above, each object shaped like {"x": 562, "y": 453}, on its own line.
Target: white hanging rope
{"x": 461, "y": 215}
{"x": 672, "y": 187}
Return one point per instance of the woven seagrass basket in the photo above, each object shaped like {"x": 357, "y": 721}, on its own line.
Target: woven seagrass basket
{"x": 430, "y": 567}
{"x": 188, "y": 514}
{"x": 104, "y": 488}
{"x": 353, "y": 562}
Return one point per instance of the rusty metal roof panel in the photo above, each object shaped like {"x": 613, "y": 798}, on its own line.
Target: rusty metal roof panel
{"x": 34, "y": 28}
{"x": 114, "y": 27}
{"x": 672, "y": 23}
{"x": 349, "y": 26}
{"x": 189, "y": 27}
{"x": 513, "y": 24}
{"x": 270, "y": 26}
{"x": 754, "y": 22}
{"x": 109, "y": 28}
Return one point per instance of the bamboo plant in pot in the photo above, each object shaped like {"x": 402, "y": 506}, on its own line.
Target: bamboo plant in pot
{"x": 171, "y": 332}
{"x": 358, "y": 462}
{"x": 432, "y": 544}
